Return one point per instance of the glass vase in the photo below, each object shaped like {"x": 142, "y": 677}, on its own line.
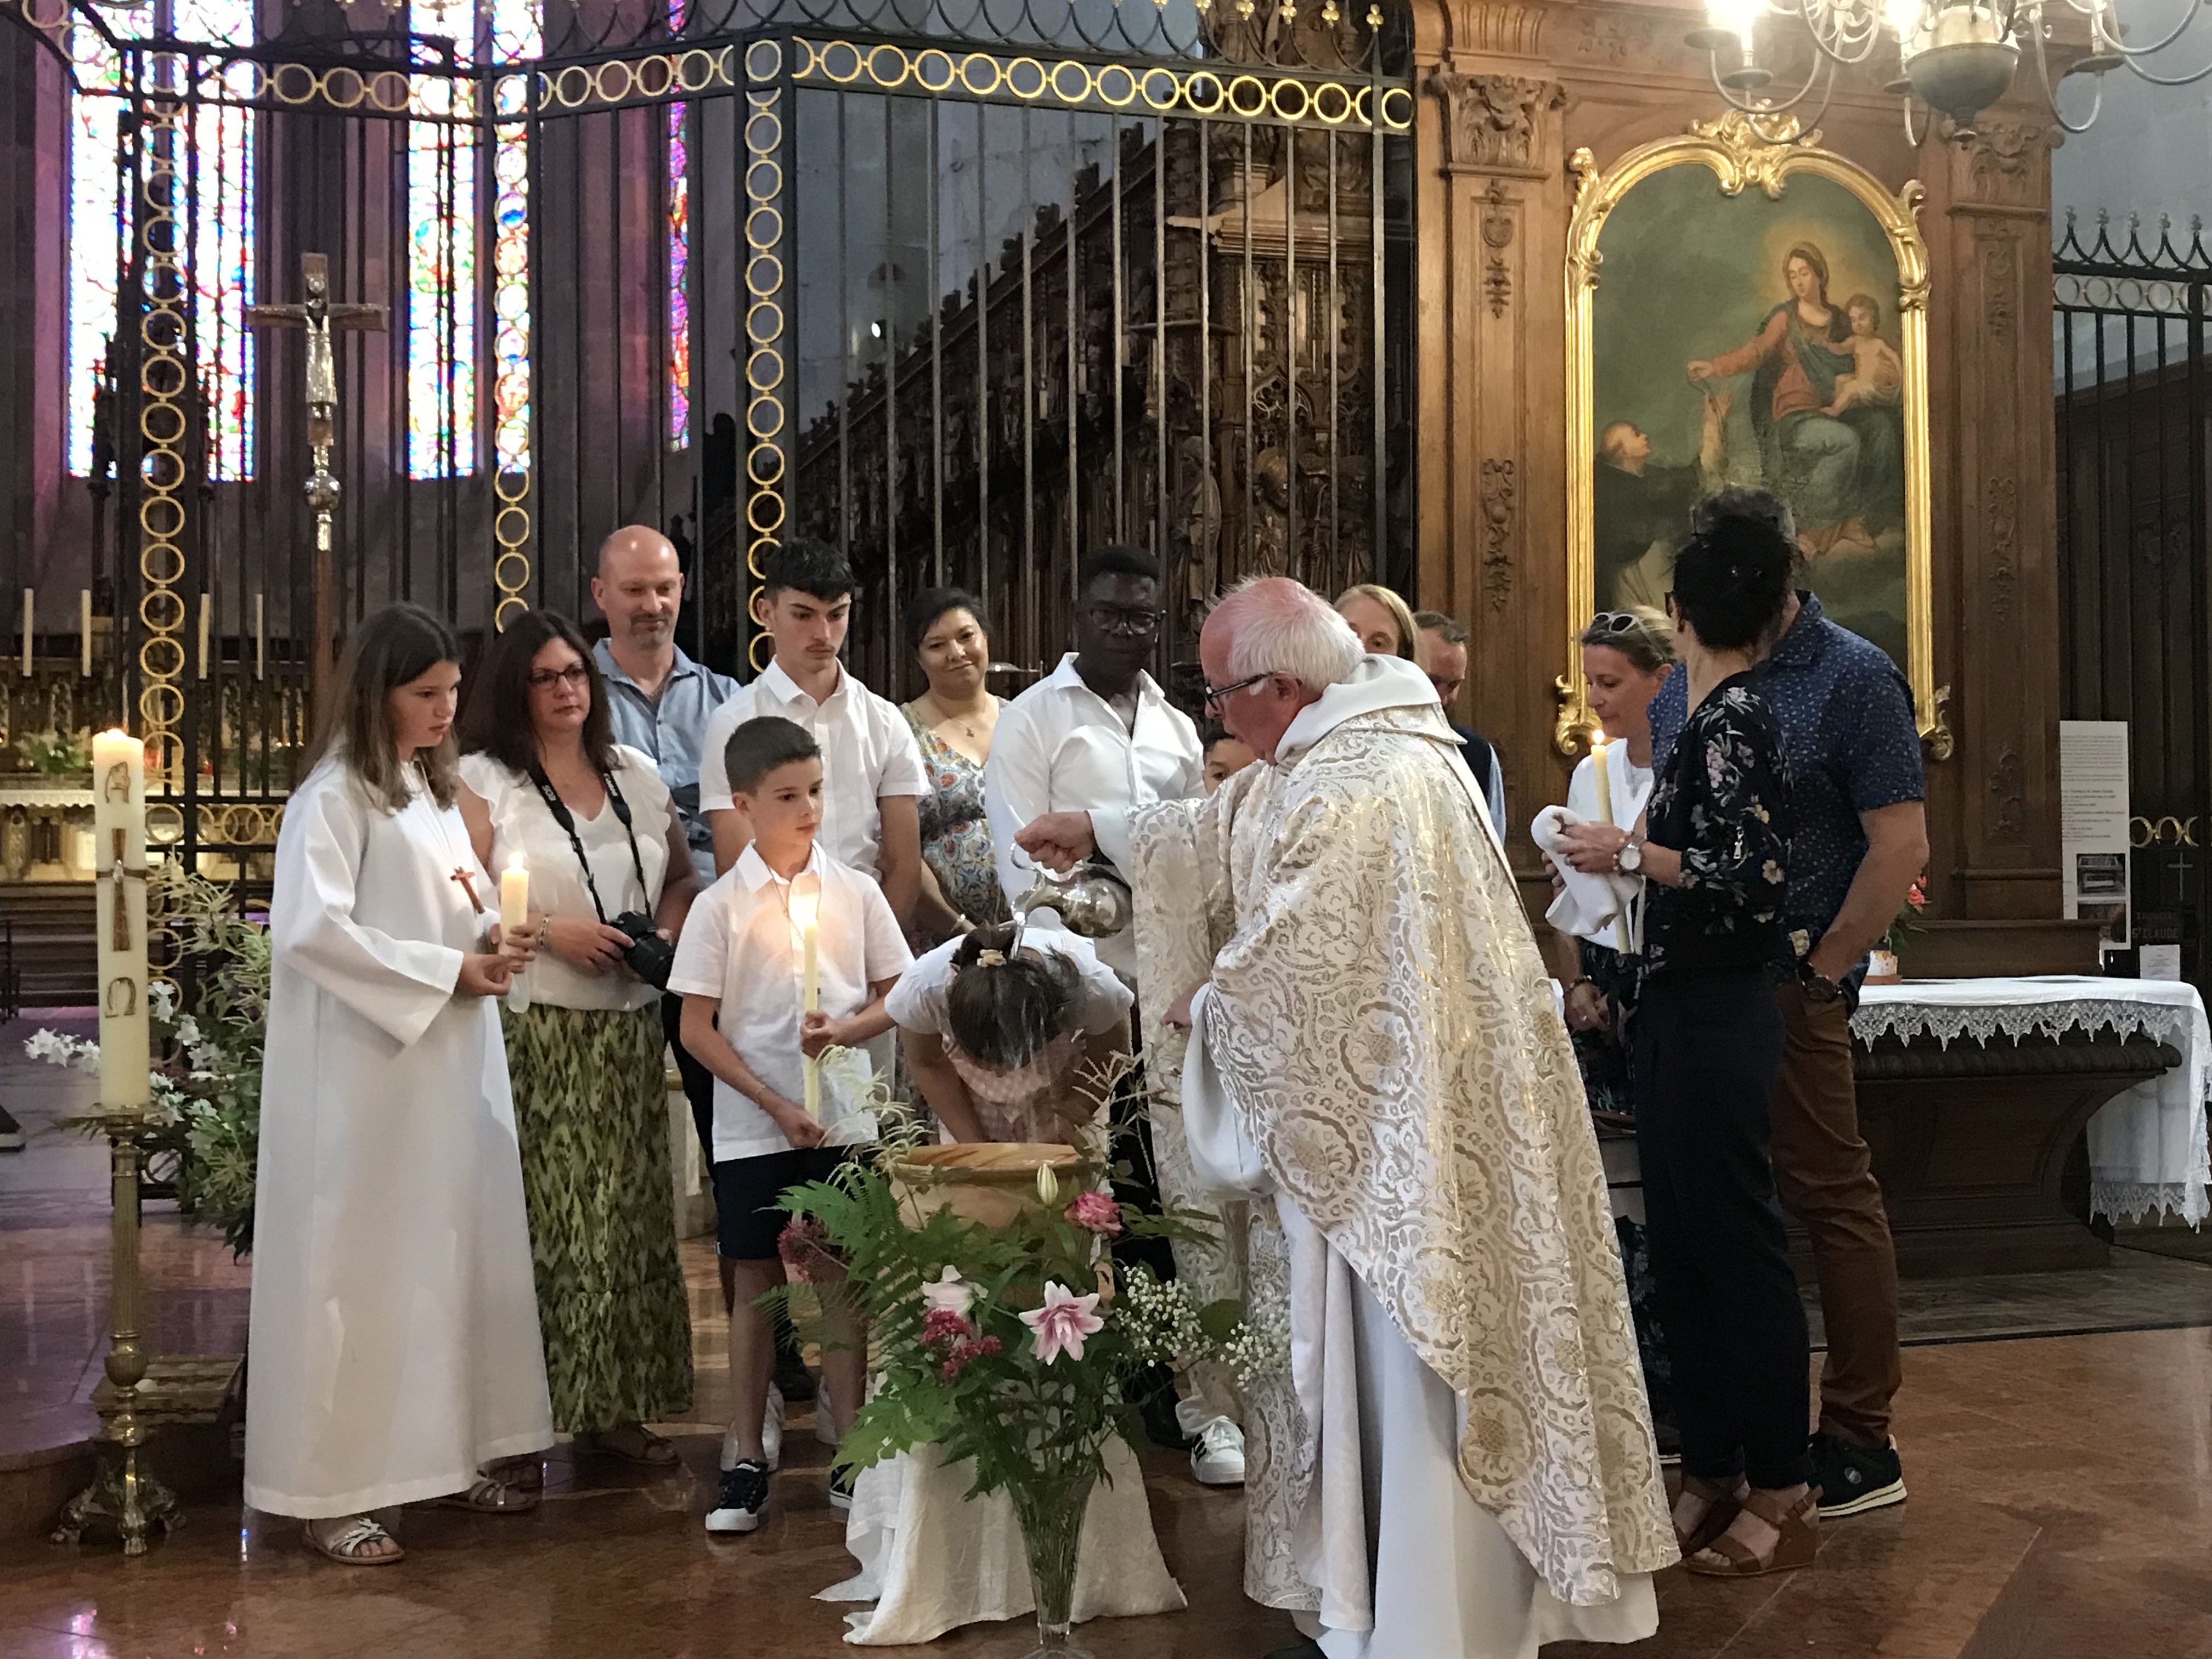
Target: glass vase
{"x": 1051, "y": 1517}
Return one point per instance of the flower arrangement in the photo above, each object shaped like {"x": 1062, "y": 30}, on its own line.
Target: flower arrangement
{"x": 56, "y": 754}
{"x": 206, "y": 1118}
{"x": 1016, "y": 1347}
{"x": 1907, "y": 919}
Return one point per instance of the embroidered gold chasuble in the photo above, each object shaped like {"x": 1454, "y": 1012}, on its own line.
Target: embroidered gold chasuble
{"x": 1384, "y": 1025}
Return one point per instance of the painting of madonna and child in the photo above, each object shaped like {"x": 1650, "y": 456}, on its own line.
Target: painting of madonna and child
{"x": 1747, "y": 340}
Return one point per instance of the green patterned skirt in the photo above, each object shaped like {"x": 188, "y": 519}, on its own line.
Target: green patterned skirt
{"x": 591, "y": 1110}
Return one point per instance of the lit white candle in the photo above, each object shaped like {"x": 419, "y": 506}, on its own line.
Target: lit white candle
{"x": 806, "y": 915}
{"x": 118, "y": 819}
{"x": 1604, "y": 775}
{"x": 513, "y": 916}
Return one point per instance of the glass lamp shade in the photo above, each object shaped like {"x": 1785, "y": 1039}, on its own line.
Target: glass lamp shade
{"x": 1962, "y": 61}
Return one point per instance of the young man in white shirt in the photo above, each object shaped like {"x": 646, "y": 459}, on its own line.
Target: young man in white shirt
{"x": 1098, "y": 735}
{"x": 872, "y": 776}
{"x": 737, "y": 967}
{"x": 1097, "y": 732}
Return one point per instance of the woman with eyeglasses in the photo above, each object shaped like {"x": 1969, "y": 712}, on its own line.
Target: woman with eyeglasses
{"x": 1714, "y": 848}
{"x": 611, "y": 876}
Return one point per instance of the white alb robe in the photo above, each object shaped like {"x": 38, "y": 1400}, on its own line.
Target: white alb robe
{"x": 394, "y": 1329}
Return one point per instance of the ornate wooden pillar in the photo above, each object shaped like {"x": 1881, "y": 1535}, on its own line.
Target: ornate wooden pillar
{"x": 1993, "y": 807}
{"x": 1492, "y": 211}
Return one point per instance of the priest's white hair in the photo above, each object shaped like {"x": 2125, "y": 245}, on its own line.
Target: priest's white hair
{"x": 1278, "y": 626}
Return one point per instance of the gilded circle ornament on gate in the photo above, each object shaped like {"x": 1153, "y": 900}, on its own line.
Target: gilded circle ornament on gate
{"x": 1160, "y": 88}
{"x": 516, "y": 480}
{"x": 759, "y": 424}
{"x": 1400, "y": 120}
{"x": 1081, "y": 90}
{"x": 696, "y": 71}
{"x": 763, "y": 178}
{"x": 162, "y": 657}
{"x": 967, "y": 78}
{"x": 763, "y": 60}
{"x": 764, "y": 274}
{"x": 764, "y": 465}
{"x": 764, "y": 369}
{"x": 1242, "y": 88}
{"x": 1124, "y": 92}
{"x": 570, "y": 93}
{"x": 1275, "y": 100}
{"x": 1341, "y": 94}
{"x": 161, "y": 563}
{"x": 764, "y": 320}
{"x": 934, "y": 70}
{"x": 1209, "y": 82}
{"x": 162, "y": 609}
{"x": 343, "y": 88}
{"x": 884, "y": 76}
{"x": 614, "y": 81}
{"x": 161, "y": 517}
{"x": 293, "y": 84}
{"x": 763, "y": 131}
{"x": 506, "y": 611}
{"x": 1028, "y": 69}
{"x": 165, "y": 820}
{"x": 763, "y": 225}
{"x": 764, "y": 512}
{"x": 511, "y": 527}
{"x": 840, "y": 61}
{"x": 655, "y": 76}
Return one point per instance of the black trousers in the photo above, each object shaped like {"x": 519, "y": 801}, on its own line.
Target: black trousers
{"x": 698, "y": 1081}
{"x": 1708, "y": 1046}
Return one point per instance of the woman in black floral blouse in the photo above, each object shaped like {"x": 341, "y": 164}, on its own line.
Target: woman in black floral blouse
{"x": 1708, "y": 1035}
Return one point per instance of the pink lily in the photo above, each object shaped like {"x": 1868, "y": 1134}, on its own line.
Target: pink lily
{"x": 1063, "y": 1323}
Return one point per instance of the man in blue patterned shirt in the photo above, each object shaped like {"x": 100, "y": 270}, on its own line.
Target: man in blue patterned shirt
{"x": 1860, "y": 840}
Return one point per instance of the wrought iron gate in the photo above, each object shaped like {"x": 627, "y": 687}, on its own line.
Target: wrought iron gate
{"x": 2134, "y": 524}
{"x": 966, "y": 286}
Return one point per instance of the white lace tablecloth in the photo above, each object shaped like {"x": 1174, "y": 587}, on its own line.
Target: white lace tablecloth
{"x": 2147, "y": 1147}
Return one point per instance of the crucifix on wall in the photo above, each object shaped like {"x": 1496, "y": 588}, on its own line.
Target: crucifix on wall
{"x": 320, "y": 316}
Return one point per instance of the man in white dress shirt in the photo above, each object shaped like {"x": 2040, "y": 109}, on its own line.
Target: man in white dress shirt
{"x": 1098, "y": 735}
{"x": 871, "y": 772}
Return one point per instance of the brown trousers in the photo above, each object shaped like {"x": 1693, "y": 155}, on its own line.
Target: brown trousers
{"x": 1824, "y": 1176}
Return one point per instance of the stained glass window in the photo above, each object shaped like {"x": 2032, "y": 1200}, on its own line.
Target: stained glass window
{"x": 216, "y": 215}
{"x": 680, "y": 260}
{"x": 220, "y": 251}
{"x": 515, "y": 38}
{"x": 441, "y": 279}
{"x": 95, "y": 247}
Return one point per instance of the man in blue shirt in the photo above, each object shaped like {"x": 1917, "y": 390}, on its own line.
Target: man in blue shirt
{"x": 1859, "y": 839}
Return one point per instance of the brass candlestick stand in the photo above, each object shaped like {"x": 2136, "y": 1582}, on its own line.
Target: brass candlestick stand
{"x": 122, "y": 1494}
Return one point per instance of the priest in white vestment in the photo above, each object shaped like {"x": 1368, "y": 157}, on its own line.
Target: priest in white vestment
{"x": 394, "y": 1337}
{"x": 1374, "y": 1051}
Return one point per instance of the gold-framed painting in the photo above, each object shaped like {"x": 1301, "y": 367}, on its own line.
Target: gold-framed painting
{"x": 1762, "y": 320}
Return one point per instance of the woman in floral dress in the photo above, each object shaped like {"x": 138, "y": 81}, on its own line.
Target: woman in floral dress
{"x": 952, "y": 723}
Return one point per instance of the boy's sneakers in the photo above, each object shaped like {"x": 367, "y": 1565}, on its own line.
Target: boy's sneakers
{"x": 1853, "y": 1480}
{"x": 841, "y": 1487}
{"x": 743, "y": 1497}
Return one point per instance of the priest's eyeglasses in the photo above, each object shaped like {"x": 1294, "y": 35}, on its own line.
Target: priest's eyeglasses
{"x": 544, "y": 679}
{"x": 1216, "y": 696}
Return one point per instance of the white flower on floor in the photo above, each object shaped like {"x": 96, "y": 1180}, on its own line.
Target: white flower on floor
{"x": 950, "y": 1294}
{"x": 60, "y": 1048}
{"x": 1063, "y": 1324}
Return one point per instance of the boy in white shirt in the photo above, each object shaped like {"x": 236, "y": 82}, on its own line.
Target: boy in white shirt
{"x": 738, "y": 967}
{"x": 872, "y": 776}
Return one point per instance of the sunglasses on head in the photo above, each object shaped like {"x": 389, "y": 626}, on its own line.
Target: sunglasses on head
{"x": 1617, "y": 622}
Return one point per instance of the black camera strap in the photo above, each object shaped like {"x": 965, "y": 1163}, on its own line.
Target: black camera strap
{"x": 566, "y": 820}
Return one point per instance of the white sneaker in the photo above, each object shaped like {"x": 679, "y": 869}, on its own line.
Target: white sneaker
{"x": 825, "y": 1430}
{"x": 771, "y": 1435}
{"x": 1217, "y": 1460}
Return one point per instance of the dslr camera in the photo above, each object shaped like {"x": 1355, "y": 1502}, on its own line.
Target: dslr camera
{"x": 649, "y": 956}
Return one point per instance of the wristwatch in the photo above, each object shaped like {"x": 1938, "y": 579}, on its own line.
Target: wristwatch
{"x": 1629, "y": 859}
{"x": 1817, "y": 987}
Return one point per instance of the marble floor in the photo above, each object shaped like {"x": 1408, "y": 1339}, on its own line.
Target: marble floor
{"x": 2062, "y": 1504}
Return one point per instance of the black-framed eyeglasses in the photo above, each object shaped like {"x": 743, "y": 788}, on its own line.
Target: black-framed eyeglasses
{"x": 1216, "y": 696}
{"x": 542, "y": 679}
{"x": 1126, "y": 621}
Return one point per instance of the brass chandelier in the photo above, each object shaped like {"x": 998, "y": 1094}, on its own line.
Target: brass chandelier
{"x": 1957, "y": 56}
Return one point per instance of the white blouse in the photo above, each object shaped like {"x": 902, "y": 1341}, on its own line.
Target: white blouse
{"x": 520, "y": 821}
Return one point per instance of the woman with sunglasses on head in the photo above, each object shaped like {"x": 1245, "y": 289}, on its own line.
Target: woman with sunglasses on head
{"x": 1714, "y": 846}
{"x": 1626, "y": 657}
{"x": 611, "y": 876}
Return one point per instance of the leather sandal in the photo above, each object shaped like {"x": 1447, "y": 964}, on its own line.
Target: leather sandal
{"x": 1797, "y": 1526}
{"x": 491, "y": 1495}
{"x": 349, "y": 1543}
{"x": 1725, "y": 1503}
{"x": 633, "y": 1443}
